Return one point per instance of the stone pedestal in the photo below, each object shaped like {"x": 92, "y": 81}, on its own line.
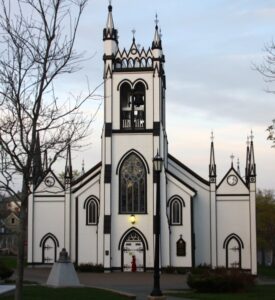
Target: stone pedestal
{"x": 63, "y": 273}
{"x": 156, "y": 297}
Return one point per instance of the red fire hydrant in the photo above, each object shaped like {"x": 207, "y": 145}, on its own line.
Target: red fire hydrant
{"x": 134, "y": 265}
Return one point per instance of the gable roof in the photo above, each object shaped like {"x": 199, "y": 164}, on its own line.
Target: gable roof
{"x": 239, "y": 187}
{"x": 204, "y": 181}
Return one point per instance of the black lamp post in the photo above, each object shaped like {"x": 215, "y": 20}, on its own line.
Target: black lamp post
{"x": 158, "y": 162}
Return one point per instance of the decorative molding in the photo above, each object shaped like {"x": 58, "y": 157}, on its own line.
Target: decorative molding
{"x": 156, "y": 129}
{"x": 107, "y": 224}
{"x": 108, "y": 129}
{"x": 108, "y": 173}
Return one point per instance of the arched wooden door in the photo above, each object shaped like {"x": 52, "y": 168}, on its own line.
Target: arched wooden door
{"x": 49, "y": 244}
{"x": 233, "y": 246}
{"x": 133, "y": 245}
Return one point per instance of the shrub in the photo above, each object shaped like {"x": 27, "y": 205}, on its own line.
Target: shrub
{"x": 95, "y": 268}
{"x": 219, "y": 280}
{"x": 5, "y": 271}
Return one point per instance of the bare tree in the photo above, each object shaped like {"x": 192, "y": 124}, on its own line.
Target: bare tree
{"x": 267, "y": 70}
{"x": 37, "y": 43}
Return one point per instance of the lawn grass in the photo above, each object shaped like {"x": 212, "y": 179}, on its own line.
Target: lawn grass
{"x": 262, "y": 292}
{"x": 46, "y": 293}
{"x": 9, "y": 261}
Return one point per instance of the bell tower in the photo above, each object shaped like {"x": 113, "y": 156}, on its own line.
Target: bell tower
{"x": 134, "y": 132}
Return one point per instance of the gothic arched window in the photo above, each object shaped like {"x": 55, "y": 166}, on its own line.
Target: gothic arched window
{"x": 132, "y": 106}
{"x": 176, "y": 204}
{"x": 91, "y": 206}
{"x": 132, "y": 178}
{"x": 175, "y": 212}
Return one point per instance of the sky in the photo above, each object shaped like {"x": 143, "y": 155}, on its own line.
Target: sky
{"x": 211, "y": 49}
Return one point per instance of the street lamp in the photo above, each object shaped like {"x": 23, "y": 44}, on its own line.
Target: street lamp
{"x": 158, "y": 162}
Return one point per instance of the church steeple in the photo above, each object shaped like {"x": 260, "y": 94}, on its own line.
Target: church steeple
{"x": 157, "y": 37}
{"x": 250, "y": 170}
{"x": 212, "y": 165}
{"x": 252, "y": 165}
{"x": 68, "y": 167}
{"x": 37, "y": 163}
{"x": 109, "y": 32}
{"x": 247, "y": 161}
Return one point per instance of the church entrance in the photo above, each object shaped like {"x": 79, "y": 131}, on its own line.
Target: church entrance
{"x": 49, "y": 245}
{"x": 233, "y": 246}
{"x": 133, "y": 253}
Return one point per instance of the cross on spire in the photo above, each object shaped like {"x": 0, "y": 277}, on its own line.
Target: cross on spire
{"x": 232, "y": 159}
{"x": 212, "y": 136}
{"x": 251, "y": 136}
{"x": 156, "y": 20}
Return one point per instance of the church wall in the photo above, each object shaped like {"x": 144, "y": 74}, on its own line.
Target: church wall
{"x": 184, "y": 230}
{"x": 88, "y": 242}
{"x": 201, "y": 209}
{"x": 48, "y": 218}
{"x": 233, "y": 218}
{"x": 142, "y": 143}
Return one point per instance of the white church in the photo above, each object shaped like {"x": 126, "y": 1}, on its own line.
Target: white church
{"x": 108, "y": 215}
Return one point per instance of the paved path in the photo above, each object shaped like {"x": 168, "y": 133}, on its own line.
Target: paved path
{"x": 139, "y": 284}
{"x": 6, "y": 289}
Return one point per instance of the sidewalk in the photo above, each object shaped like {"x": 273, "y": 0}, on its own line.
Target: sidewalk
{"x": 6, "y": 289}
{"x": 139, "y": 284}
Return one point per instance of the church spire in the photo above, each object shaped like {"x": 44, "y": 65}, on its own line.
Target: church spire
{"x": 37, "y": 163}
{"x": 252, "y": 165}
{"x": 238, "y": 167}
{"x": 109, "y": 32}
{"x": 157, "y": 37}
{"x": 45, "y": 161}
{"x": 68, "y": 167}
{"x": 212, "y": 165}
{"x": 247, "y": 160}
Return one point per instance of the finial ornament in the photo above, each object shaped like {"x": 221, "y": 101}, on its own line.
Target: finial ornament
{"x": 110, "y": 6}
{"x": 133, "y": 32}
{"x": 212, "y": 136}
{"x": 160, "y": 34}
{"x": 156, "y": 20}
{"x": 247, "y": 142}
{"x": 251, "y": 136}
{"x": 232, "y": 158}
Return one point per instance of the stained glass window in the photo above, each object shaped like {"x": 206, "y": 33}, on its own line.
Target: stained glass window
{"x": 132, "y": 185}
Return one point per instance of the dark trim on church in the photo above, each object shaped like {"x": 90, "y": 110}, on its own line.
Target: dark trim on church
{"x": 193, "y": 244}
{"x": 108, "y": 129}
{"x": 76, "y": 231}
{"x": 132, "y": 131}
{"x": 107, "y": 224}
{"x": 108, "y": 173}
{"x": 156, "y": 129}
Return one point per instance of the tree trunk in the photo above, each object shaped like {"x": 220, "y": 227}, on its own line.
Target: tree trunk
{"x": 21, "y": 244}
{"x": 262, "y": 256}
